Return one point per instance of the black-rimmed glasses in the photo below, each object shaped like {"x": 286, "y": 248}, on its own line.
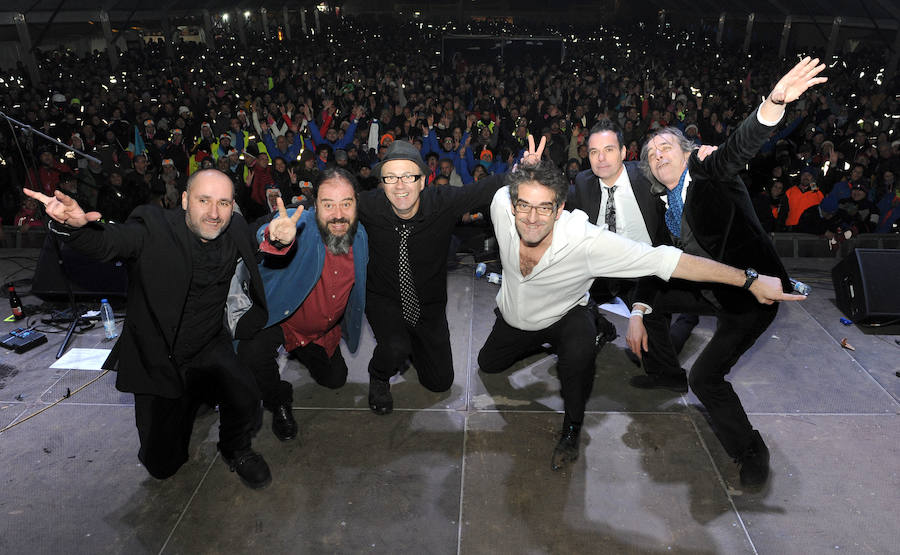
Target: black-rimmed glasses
{"x": 406, "y": 178}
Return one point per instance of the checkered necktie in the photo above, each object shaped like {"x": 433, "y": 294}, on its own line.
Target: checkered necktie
{"x": 611, "y": 208}
{"x": 409, "y": 301}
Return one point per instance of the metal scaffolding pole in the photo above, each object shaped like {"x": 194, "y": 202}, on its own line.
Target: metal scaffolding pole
{"x": 785, "y": 34}
{"x": 26, "y": 54}
{"x": 721, "y": 29}
{"x": 110, "y": 43}
{"x": 287, "y": 23}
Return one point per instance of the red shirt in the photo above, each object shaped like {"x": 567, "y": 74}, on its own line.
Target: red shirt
{"x": 318, "y": 318}
{"x": 48, "y": 178}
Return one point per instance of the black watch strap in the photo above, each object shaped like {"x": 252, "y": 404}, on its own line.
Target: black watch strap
{"x": 751, "y": 277}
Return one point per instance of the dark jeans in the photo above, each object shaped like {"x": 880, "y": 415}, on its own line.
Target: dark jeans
{"x": 260, "y": 355}
{"x": 214, "y": 376}
{"x": 572, "y": 336}
{"x": 735, "y": 333}
{"x": 427, "y": 344}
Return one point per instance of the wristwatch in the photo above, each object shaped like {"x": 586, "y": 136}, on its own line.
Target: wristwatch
{"x": 751, "y": 277}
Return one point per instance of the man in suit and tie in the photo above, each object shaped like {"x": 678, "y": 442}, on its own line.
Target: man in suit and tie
{"x": 709, "y": 214}
{"x": 618, "y": 194}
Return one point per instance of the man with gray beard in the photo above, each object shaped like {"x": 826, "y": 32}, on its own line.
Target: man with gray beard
{"x": 314, "y": 274}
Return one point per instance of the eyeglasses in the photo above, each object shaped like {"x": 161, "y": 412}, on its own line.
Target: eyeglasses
{"x": 523, "y": 207}
{"x": 406, "y": 178}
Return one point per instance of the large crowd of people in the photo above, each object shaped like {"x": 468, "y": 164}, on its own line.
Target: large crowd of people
{"x": 273, "y": 114}
{"x": 589, "y": 166}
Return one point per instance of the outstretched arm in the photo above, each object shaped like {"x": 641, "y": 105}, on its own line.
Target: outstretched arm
{"x": 63, "y": 208}
{"x": 766, "y": 289}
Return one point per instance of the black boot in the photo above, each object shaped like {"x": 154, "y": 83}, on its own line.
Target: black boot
{"x": 380, "y": 399}
{"x": 250, "y": 466}
{"x": 566, "y": 449}
{"x": 283, "y": 424}
{"x": 755, "y": 463}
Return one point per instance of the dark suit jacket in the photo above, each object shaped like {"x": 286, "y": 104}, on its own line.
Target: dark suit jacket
{"x": 586, "y": 196}
{"x": 154, "y": 244}
{"x": 721, "y": 216}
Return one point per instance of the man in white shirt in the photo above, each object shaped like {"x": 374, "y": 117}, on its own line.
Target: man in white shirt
{"x": 550, "y": 257}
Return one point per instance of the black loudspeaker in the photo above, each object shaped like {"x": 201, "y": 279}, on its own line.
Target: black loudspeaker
{"x": 867, "y": 286}
{"x": 88, "y": 277}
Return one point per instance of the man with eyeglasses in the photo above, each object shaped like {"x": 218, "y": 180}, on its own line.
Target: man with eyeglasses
{"x": 409, "y": 229}
{"x": 550, "y": 257}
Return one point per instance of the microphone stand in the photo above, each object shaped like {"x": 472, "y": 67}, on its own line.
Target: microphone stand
{"x": 31, "y": 129}
{"x": 76, "y": 316}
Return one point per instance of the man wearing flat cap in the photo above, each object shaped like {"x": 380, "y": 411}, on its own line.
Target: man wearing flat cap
{"x": 409, "y": 229}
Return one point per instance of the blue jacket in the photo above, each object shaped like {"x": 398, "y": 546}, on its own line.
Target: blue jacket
{"x": 289, "y": 279}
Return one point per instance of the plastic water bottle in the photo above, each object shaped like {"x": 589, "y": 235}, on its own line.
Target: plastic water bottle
{"x": 480, "y": 269}
{"x": 109, "y": 321}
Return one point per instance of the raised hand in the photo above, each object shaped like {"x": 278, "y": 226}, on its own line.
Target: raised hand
{"x": 800, "y": 78}
{"x": 63, "y": 208}
{"x": 532, "y": 156}
{"x": 283, "y": 228}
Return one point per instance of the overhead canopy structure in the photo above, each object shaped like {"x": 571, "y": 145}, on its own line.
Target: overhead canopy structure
{"x": 30, "y": 25}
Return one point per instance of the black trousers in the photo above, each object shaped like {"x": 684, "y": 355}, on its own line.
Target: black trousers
{"x": 572, "y": 336}
{"x": 735, "y": 333}
{"x": 260, "y": 355}
{"x": 214, "y": 376}
{"x": 426, "y": 345}
{"x": 603, "y": 290}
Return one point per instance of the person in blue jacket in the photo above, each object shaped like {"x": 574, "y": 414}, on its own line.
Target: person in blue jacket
{"x": 314, "y": 276}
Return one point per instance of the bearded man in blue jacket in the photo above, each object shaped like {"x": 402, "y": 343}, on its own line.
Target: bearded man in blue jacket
{"x": 314, "y": 275}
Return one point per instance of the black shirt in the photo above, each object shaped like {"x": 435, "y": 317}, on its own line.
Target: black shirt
{"x": 429, "y": 238}
{"x": 213, "y": 265}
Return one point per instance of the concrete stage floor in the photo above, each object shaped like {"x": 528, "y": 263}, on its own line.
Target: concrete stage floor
{"x": 468, "y": 471}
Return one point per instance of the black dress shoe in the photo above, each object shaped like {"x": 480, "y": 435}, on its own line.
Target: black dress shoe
{"x": 283, "y": 424}
{"x": 380, "y": 399}
{"x": 566, "y": 449}
{"x": 675, "y": 383}
{"x": 250, "y": 466}
{"x": 755, "y": 463}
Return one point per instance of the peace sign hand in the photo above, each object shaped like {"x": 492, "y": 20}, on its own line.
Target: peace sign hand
{"x": 63, "y": 208}
{"x": 283, "y": 229}
{"x": 532, "y": 156}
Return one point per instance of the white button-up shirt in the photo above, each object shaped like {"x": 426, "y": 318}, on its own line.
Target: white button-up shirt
{"x": 579, "y": 252}
{"x": 629, "y": 220}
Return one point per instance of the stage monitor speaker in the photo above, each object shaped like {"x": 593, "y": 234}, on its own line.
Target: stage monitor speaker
{"x": 867, "y": 285}
{"x": 88, "y": 277}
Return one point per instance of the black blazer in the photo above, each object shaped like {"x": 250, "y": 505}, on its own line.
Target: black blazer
{"x": 586, "y": 196}
{"x": 154, "y": 244}
{"x": 721, "y": 216}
